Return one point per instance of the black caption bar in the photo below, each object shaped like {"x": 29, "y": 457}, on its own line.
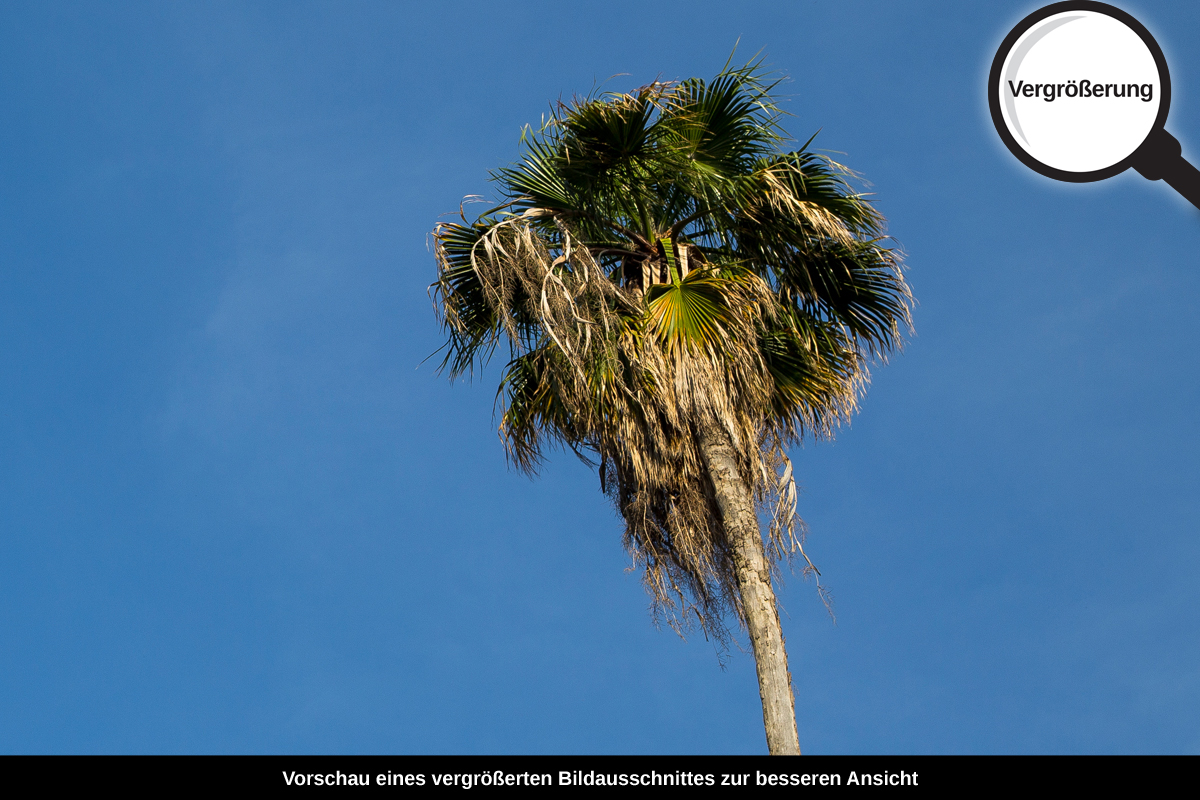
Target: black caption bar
{"x": 615, "y": 775}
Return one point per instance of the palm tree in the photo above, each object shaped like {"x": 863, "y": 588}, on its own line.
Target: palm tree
{"x": 681, "y": 300}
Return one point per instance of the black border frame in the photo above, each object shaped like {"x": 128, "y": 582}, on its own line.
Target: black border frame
{"x": 1160, "y": 60}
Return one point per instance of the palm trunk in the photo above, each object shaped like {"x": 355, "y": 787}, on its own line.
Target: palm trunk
{"x": 754, "y": 582}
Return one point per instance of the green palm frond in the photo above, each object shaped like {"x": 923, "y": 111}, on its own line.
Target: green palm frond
{"x": 727, "y": 122}
{"x": 702, "y": 311}
{"x": 690, "y": 313}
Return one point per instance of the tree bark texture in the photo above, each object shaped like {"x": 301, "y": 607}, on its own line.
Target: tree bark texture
{"x": 754, "y": 582}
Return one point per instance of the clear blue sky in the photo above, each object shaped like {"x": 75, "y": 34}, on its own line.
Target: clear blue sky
{"x": 237, "y": 516}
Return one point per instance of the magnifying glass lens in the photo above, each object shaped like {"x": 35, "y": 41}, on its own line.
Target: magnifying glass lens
{"x": 1080, "y": 91}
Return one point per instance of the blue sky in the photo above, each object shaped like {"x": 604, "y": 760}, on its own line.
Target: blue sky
{"x": 239, "y": 515}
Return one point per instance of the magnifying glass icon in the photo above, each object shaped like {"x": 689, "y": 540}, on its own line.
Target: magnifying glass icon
{"x": 1079, "y": 91}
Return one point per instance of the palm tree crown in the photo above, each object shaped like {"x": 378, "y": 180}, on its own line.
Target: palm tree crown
{"x": 671, "y": 285}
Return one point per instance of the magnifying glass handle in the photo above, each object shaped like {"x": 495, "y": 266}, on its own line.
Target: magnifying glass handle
{"x": 1161, "y": 158}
